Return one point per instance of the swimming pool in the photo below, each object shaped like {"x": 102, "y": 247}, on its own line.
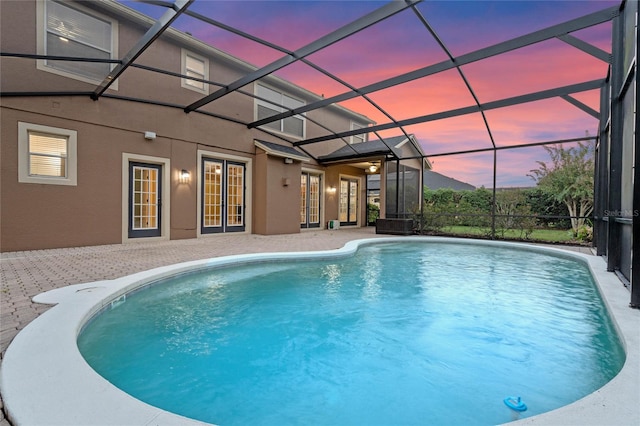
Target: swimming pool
{"x": 399, "y": 333}
{"x": 95, "y": 296}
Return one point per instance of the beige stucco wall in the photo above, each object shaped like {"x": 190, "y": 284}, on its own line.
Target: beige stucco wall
{"x": 106, "y": 129}
{"x": 44, "y": 216}
{"x": 37, "y": 216}
{"x": 277, "y": 195}
{"x": 183, "y": 194}
{"x": 333, "y": 176}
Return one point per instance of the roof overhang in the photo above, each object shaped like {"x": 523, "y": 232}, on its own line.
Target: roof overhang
{"x": 355, "y": 157}
{"x": 282, "y": 151}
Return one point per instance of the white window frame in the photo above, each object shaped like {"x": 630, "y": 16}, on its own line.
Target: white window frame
{"x": 41, "y": 34}
{"x": 279, "y": 109}
{"x": 248, "y": 194}
{"x": 71, "y": 178}
{"x": 358, "y": 138}
{"x": 185, "y": 82}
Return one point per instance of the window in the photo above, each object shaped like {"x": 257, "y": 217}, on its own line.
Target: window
{"x": 195, "y": 66}
{"x": 67, "y": 31}
{"x": 272, "y": 102}
{"x": 46, "y": 155}
{"x": 357, "y": 138}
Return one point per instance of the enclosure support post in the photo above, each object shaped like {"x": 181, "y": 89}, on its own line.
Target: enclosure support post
{"x": 615, "y": 147}
{"x": 601, "y": 177}
{"x": 421, "y": 195}
{"x": 493, "y": 201}
{"x": 635, "y": 243}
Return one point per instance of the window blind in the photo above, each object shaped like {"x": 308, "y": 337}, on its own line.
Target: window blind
{"x": 47, "y": 155}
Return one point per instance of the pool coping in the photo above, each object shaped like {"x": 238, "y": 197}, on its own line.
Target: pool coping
{"x": 45, "y": 380}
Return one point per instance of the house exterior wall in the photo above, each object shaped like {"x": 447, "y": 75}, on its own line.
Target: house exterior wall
{"x": 38, "y": 216}
{"x": 277, "y": 196}
{"x": 110, "y": 132}
{"x": 333, "y": 177}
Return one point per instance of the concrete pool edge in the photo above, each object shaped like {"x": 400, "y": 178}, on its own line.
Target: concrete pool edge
{"x": 45, "y": 380}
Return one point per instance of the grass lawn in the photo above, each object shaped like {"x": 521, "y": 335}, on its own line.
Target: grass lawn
{"x": 546, "y": 235}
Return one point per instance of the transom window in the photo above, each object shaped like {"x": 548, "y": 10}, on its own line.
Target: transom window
{"x": 46, "y": 154}
{"x": 71, "y": 32}
{"x": 274, "y": 102}
{"x": 195, "y": 66}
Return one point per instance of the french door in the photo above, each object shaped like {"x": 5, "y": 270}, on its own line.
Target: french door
{"x": 223, "y": 196}
{"x": 310, "y": 200}
{"x": 348, "y": 202}
{"x": 145, "y": 200}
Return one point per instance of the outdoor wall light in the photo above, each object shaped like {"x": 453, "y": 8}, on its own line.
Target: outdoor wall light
{"x": 149, "y": 135}
{"x": 288, "y": 160}
{"x": 373, "y": 168}
{"x": 184, "y": 176}
{"x": 331, "y": 190}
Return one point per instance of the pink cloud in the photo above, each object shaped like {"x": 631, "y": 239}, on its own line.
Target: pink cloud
{"x": 401, "y": 44}
{"x": 534, "y": 68}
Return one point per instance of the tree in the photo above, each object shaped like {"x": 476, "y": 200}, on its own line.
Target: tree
{"x": 513, "y": 212}
{"x": 569, "y": 179}
{"x": 543, "y": 204}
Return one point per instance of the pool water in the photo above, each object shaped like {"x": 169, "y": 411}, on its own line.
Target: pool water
{"x": 399, "y": 333}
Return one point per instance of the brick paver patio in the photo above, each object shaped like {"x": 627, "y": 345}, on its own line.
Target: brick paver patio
{"x": 26, "y": 274}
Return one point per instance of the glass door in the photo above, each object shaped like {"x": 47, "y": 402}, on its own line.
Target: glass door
{"x": 211, "y": 196}
{"x": 348, "y": 204}
{"x": 223, "y": 193}
{"x": 145, "y": 200}
{"x": 310, "y": 201}
{"x": 235, "y": 197}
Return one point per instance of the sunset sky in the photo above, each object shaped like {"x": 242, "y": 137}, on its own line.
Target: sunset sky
{"x": 402, "y": 43}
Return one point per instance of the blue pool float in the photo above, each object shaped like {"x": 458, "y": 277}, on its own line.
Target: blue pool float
{"x": 515, "y": 403}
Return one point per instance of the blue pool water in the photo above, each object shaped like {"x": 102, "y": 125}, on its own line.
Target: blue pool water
{"x": 399, "y": 333}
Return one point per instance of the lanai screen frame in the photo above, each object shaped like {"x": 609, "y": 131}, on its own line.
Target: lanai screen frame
{"x": 560, "y": 31}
